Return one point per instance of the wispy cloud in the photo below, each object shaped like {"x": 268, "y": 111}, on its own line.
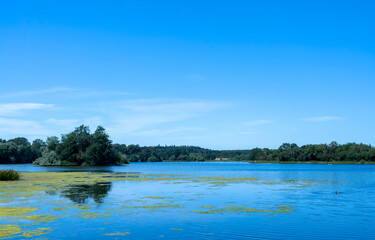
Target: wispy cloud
{"x": 162, "y": 132}
{"x": 71, "y": 92}
{"x": 65, "y": 124}
{"x": 36, "y": 92}
{"x": 171, "y": 118}
{"x": 171, "y": 106}
{"x": 138, "y": 115}
{"x": 322, "y": 119}
{"x": 12, "y": 108}
{"x": 258, "y": 122}
{"x": 9, "y": 126}
{"x": 86, "y": 93}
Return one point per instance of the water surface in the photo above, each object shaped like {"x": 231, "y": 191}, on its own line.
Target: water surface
{"x": 190, "y": 201}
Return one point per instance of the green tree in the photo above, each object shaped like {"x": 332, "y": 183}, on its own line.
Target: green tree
{"x": 73, "y": 146}
{"x": 52, "y": 143}
{"x": 257, "y": 154}
{"x": 100, "y": 151}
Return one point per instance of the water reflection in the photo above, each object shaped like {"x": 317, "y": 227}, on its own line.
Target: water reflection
{"x": 83, "y": 193}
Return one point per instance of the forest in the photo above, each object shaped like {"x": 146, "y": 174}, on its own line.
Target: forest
{"x": 82, "y": 148}
{"x": 333, "y": 152}
{"x": 78, "y": 148}
{"x": 135, "y": 153}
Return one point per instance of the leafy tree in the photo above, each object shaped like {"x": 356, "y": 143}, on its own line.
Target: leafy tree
{"x": 82, "y": 148}
{"x": 20, "y": 141}
{"x": 100, "y": 150}
{"x": 257, "y": 154}
{"x": 153, "y": 159}
{"x": 38, "y": 144}
{"x": 133, "y": 149}
{"x": 52, "y": 143}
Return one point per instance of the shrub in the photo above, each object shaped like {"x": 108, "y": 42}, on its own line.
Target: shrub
{"x": 48, "y": 158}
{"x": 9, "y": 175}
{"x": 122, "y": 159}
{"x": 153, "y": 159}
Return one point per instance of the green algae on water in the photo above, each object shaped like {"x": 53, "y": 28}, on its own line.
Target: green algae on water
{"x": 36, "y": 232}
{"x": 207, "y": 207}
{"x": 35, "y": 188}
{"x": 283, "y": 209}
{"x": 117, "y": 234}
{"x": 87, "y": 215}
{"x": 156, "y": 197}
{"x": 7, "y": 231}
{"x": 41, "y": 218}
{"x": 15, "y": 212}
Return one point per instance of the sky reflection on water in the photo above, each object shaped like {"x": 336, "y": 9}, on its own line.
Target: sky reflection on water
{"x": 198, "y": 201}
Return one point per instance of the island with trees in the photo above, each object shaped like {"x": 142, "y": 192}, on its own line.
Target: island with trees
{"x": 78, "y": 148}
{"x": 82, "y": 148}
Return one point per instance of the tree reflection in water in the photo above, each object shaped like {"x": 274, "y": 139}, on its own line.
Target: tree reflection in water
{"x": 83, "y": 193}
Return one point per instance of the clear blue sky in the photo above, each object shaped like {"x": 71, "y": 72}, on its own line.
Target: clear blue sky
{"x": 217, "y": 74}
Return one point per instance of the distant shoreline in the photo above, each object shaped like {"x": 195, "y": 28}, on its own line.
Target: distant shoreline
{"x": 318, "y": 162}
{"x": 287, "y": 162}
{"x": 212, "y": 161}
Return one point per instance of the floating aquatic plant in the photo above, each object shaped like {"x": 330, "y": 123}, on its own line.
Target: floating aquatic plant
{"x": 285, "y": 209}
{"x": 36, "y": 232}
{"x": 8, "y": 230}
{"x": 117, "y": 234}
{"x": 39, "y": 190}
{"x": 15, "y": 212}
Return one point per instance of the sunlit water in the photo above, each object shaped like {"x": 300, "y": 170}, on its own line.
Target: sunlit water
{"x": 198, "y": 201}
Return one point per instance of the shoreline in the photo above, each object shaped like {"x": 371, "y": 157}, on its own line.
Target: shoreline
{"x": 318, "y": 162}
{"x": 213, "y": 161}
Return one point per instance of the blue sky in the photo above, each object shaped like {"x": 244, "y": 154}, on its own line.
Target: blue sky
{"x": 216, "y": 74}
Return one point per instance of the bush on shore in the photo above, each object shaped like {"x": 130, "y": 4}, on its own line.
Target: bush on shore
{"x": 9, "y": 175}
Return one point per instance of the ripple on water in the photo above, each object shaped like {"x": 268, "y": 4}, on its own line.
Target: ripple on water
{"x": 37, "y": 204}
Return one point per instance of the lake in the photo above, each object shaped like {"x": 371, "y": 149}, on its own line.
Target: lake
{"x": 189, "y": 200}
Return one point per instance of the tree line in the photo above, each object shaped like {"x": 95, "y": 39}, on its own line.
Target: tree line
{"x": 135, "y": 153}
{"x": 19, "y": 150}
{"x": 333, "y": 152}
{"x": 83, "y": 148}
{"x": 78, "y": 148}
{"x": 287, "y": 152}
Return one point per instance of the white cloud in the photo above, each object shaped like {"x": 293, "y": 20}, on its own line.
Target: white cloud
{"x": 171, "y": 106}
{"x": 71, "y": 92}
{"x": 22, "y": 127}
{"x": 322, "y": 119}
{"x": 258, "y": 122}
{"x": 88, "y": 93}
{"x": 136, "y": 115}
{"x": 12, "y": 108}
{"x": 63, "y": 123}
{"x": 161, "y": 132}
{"x": 36, "y": 92}
{"x": 139, "y": 117}
{"x": 68, "y": 125}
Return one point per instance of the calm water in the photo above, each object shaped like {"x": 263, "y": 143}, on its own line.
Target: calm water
{"x": 208, "y": 201}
